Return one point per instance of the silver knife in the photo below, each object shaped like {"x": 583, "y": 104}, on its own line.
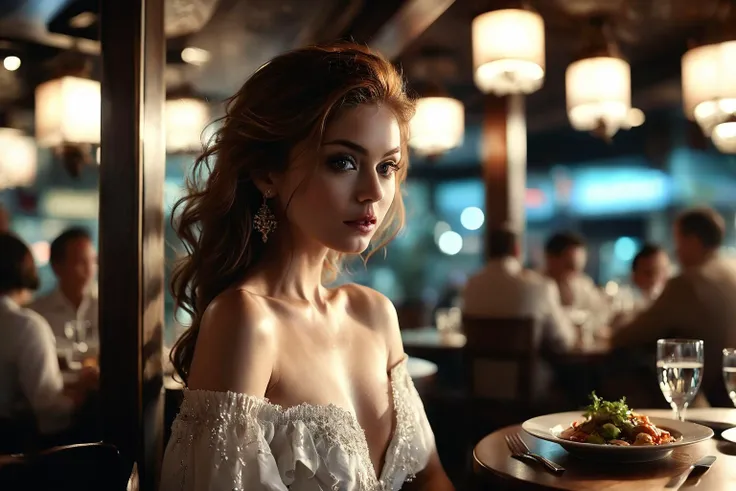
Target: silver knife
{"x": 704, "y": 463}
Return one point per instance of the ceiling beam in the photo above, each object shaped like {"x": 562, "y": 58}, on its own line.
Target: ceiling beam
{"x": 330, "y": 23}
{"x": 19, "y": 31}
{"x": 406, "y": 25}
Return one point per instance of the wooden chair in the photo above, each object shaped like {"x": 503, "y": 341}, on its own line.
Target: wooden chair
{"x": 18, "y": 434}
{"x": 501, "y": 362}
{"x": 81, "y": 467}
{"x": 501, "y": 357}
{"x": 13, "y": 472}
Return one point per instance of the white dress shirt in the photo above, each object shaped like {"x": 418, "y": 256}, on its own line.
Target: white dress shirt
{"x": 58, "y": 310}
{"x": 29, "y": 370}
{"x": 504, "y": 289}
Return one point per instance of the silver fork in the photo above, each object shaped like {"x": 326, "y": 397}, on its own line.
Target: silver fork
{"x": 521, "y": 451}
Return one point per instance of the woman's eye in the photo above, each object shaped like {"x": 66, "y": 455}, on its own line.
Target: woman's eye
{"x": 343, "y": 163}
{"x": 387, "y": 168}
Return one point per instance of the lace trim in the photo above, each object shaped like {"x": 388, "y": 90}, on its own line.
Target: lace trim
{"x": 339, "y": 427}
{"x": 402, "y": 456}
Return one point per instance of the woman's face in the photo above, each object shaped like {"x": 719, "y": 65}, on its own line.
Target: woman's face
{"x": 340, "y": 200}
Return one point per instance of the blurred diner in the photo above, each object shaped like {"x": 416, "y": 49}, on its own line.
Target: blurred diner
{"x": 36, "y": 405}
{"x": 503, "y": 288}
{"x": 71, "y": 308}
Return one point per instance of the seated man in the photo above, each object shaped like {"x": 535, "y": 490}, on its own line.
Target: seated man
{"x": 650, "y": 270}
{"x": 503, "y": 288}
{"x": 565, "y": 256}
{"x": 74, "y": 300}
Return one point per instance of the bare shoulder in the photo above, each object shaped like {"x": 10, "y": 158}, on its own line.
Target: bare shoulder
{"x": 236, "y": 345}
{"x": 375, "y": 310}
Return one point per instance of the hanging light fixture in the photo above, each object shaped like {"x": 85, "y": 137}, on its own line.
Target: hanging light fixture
{"x": 598, "y": 86}
{"x": 598, "y": 94}
{"x": 18, "y": 159}
{"x": 709, "y": 85}
{"x": 186, "y": 118}
{"x": 709, "y": 79}
{"x": 68, "y": 112}
{"x": 437, "y": 126}
{"x": 508, "y": 51}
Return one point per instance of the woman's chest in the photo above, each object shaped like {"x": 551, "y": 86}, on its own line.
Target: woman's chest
{"x": 354, "y": 380}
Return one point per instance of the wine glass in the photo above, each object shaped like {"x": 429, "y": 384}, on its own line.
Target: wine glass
{"x": 76, "y": 333}
{"x": 729, "y": 372}
{"x": 581, "y": 319}
{"x": 680, "y": 371}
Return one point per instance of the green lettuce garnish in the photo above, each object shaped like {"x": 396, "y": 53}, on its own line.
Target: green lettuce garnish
{"x": 616, "y": 412}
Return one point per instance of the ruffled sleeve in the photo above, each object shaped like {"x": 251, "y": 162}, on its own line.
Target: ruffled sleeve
{"x": 220, "y": 441}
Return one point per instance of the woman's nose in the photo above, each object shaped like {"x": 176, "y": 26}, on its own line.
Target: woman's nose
{"x": 370, "y": 188}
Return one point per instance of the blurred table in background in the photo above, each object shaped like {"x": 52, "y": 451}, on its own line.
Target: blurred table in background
{"x": 431, "y": 338}
{"x": 445, "y": 349}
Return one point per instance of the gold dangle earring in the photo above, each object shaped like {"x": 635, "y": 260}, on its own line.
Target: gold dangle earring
{"x": 265, "y": 221}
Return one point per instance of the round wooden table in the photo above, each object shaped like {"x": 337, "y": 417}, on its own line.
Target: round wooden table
{"x": 492, "y": 456}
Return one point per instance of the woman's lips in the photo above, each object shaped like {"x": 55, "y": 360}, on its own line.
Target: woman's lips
{"x": 364, "y": 226}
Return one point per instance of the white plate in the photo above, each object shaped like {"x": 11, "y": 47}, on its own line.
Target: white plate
{"x": 729, "y": 435}
{"x": 550, "y": 426}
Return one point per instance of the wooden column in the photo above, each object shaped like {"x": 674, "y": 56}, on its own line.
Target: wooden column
{"x": 503, "y": 156}
{"x": 131, "y": 255}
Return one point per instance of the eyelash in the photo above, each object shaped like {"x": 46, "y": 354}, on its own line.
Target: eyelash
{"x": 336, "y": 162}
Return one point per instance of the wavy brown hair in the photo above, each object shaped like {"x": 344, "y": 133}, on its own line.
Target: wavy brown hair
{"x": 289, "y": 100}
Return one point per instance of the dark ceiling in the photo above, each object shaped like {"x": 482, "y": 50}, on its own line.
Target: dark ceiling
{"x": 240, "y": 35}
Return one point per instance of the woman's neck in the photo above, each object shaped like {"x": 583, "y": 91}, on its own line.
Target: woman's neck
{"x": 293, "y": 272}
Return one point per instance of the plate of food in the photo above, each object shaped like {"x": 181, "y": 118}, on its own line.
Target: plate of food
{"x": 611, "y": 431}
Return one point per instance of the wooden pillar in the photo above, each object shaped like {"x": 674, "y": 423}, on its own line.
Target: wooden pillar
{"x": 504, "y": 162}
{"x": 131, "y": 255}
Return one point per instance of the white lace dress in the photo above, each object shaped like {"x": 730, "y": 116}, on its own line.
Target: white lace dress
{"x": 229, "y": 441}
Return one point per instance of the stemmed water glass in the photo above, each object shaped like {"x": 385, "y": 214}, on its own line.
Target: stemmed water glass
{"x": 76, "y": 333}
{"x": 680, "y": 371}
{"x": 729, "y": 372}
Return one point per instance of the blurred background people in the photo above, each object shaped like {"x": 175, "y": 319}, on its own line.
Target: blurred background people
{"x": 565, "y": 259}
{"x": 503, "y": 288}
{"x": 33, "y": 397}
{"x": 71, "y": 308}
{"x": 650, "y": 270}
{"x": 698, "y": 303}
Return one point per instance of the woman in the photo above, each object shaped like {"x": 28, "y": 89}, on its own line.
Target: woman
{"x": 292, "y": 385}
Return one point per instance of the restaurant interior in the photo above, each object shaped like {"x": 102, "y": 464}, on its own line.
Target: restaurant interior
{"x": 583, "y": 149}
